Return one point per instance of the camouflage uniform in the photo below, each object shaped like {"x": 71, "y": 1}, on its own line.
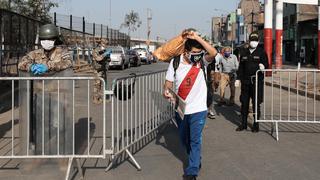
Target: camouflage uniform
{"x": 56, "y": 60}
{"x": 100, "y": 66}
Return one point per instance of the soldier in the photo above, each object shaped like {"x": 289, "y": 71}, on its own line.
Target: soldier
{"x": 49, "y": 58}
{"x": 252, "y": 59}
{"x": 53, "y": 60}
{"x": 101, "y": 57}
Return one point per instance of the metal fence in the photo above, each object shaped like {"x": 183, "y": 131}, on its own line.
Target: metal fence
{"x": 51, "y": 117}
{"x": 18, "y": 35}
{"x": 138, "y": 109}
{"x": 290, "y": 96}
{"x": 96, "y": 31}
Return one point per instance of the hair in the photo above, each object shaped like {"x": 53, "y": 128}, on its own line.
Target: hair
{"x": 227, "y": 47}
{"x": 191, "y": 43}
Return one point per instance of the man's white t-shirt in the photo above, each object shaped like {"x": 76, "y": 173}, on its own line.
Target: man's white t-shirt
{"x": 196, "y": 101}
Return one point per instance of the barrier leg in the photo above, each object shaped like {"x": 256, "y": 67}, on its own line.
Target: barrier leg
{"x": 113, "y": 160}
{"x": 111, "y": 163}
{"x": 69, "y": 168}
{"x": 133, "y": 159}
{"x": 80, "y": 168}
{"x": 70, "y": 165}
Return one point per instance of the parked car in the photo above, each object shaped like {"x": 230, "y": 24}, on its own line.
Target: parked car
{"x": 144, "y": 55}
{"x": 118, "y": 58}
{"x": 134, "y": 57}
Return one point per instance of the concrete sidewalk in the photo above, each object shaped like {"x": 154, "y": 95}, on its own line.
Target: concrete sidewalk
{"x": 227, "y": 154}
{"x": 300, "y": 82}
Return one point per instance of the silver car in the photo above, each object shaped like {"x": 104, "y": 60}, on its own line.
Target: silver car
{"x": 117, "y": 58}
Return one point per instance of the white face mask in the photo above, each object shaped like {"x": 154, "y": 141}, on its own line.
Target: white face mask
{"x": 254, "y": 44}
{"x": 47, "y": 44}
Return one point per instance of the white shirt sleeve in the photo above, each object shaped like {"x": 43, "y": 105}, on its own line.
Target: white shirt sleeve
{"x": 170, "y": 72}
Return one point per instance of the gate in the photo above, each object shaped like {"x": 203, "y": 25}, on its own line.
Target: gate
{"x": 51, "y": 118}
{"x": 290, "y": 96}
{"x": 138, "y": 109}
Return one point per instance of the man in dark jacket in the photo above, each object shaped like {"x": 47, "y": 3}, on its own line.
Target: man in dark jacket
{"x": 252, "y": 59}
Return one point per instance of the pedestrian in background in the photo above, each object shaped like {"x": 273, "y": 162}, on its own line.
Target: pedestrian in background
{"x": 252, "y": 59}
{"x": 189, "y": 79}
{"x": 229, "y": 65}
{"x": 211, "y": 89}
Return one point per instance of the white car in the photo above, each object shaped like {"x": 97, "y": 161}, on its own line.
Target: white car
{"x": 144, "y": 55}
{"x": 117, "y": 57}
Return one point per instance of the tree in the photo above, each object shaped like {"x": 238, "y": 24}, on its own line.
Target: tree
{"x": 131, "y": 21}
{"x": 36, "y": 9}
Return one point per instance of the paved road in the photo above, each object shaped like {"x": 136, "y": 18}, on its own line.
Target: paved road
{"x": 112, "y": 74}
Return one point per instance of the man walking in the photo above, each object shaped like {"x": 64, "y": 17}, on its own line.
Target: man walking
{"x": 190, "y": 84}
{"x": 252, "y": 59}
{"x": 228, "y": 66}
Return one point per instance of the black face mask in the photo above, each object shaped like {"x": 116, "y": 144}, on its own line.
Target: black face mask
{"x": 196, "y": 57}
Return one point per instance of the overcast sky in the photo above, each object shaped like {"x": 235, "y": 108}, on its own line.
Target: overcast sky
{"x": 169, "y": 16}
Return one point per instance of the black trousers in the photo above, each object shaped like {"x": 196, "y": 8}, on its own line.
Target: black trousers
{"x": 248, "y": 91}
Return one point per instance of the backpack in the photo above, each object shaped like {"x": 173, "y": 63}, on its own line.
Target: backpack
{"x": 176, "y": 63}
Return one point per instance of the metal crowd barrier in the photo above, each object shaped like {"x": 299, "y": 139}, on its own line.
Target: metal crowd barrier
{"x": 289, "y": 96}
{"x": 51, "y": 117}
{"x": 138, "y": 109}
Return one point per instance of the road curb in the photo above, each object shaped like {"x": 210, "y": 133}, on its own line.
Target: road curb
{"x": 294, "y": 90}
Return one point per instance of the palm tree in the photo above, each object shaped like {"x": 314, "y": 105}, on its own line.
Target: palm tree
{"x": 131, "y": 21}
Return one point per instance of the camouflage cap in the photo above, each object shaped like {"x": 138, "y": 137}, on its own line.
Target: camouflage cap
{"x": 48, "y": 31}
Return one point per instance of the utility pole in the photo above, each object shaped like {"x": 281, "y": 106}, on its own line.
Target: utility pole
{"x": 149, "y": 18}
{"x": 252, "y": 20}
{"x": 110, "y": 13}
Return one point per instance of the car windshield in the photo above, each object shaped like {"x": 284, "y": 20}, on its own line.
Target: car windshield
{"x": 140, "y": 50}
{"x": 115, "y": 50}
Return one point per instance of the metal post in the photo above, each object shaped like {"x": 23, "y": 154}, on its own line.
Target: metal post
{"x": 71, "y": 22}
{"x": 84, "y": 39}
{"x": 279, "y": 33}
{"x": 94, "y": 34}
{"x": 108, "y": 34}
{"x": 101, "y": 29}
{"x": 55, "y": 18}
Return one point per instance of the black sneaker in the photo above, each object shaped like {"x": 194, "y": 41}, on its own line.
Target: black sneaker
{"x": 189, "y": 177}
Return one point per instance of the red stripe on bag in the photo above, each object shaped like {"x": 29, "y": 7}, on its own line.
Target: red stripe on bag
{"x": 188, "y": 82}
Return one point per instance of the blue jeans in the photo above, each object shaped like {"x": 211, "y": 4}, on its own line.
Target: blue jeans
{"x": 190, "y": 130}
